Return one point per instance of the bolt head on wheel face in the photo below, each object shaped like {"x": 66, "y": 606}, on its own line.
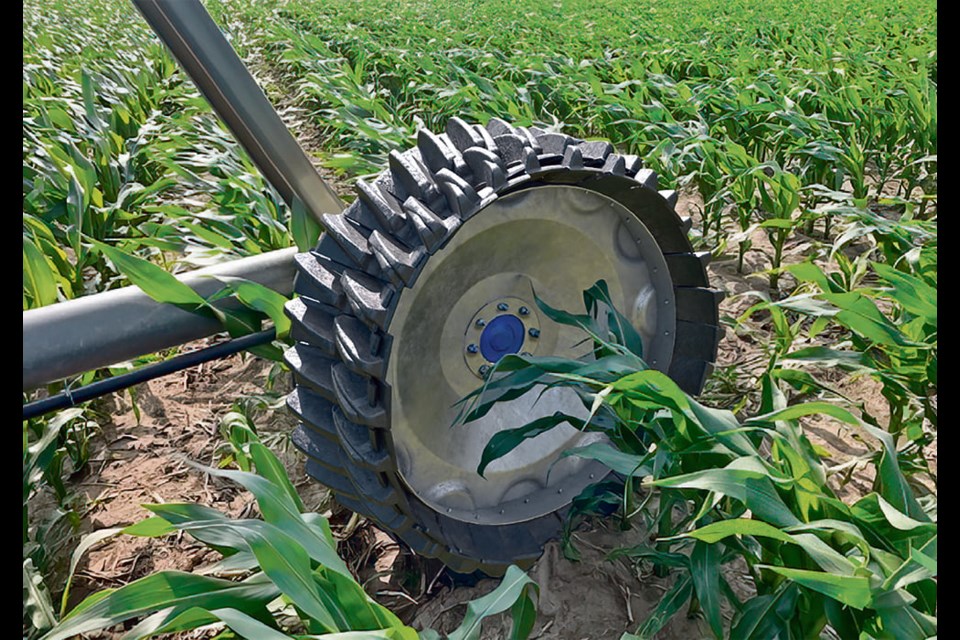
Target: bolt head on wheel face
{"x": 430, "y": 278}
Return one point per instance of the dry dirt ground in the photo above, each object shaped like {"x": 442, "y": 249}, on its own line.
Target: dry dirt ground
{"x": 144, "y": 460}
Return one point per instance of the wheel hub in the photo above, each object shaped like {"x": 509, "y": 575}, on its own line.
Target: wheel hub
{"x": 506, "y": 325}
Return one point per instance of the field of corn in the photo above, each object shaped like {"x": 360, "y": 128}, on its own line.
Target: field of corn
{"x": 802, "y": 137}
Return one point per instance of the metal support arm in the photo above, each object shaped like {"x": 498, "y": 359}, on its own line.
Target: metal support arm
{"x": 202, "y": 50}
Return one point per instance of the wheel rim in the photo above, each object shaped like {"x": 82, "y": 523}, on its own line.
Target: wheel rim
{"x": 555, "y": 240}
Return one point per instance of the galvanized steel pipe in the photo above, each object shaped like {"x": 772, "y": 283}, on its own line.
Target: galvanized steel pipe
{"x": 71, "y": 337}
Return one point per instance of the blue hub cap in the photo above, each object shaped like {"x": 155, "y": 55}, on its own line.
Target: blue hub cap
{"x": 502, "y": 335}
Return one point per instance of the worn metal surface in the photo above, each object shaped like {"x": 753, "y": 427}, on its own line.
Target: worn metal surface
{"x": 201, "y": 49}
{"x": 555, "y": 241}
{"x": 87, "y": 333}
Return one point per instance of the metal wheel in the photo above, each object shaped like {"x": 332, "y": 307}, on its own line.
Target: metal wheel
{"x": 428, "y": 278}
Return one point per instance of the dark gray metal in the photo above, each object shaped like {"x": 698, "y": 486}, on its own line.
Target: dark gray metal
{"x": 197, "y": 43}
{"x": 95, "y": 331}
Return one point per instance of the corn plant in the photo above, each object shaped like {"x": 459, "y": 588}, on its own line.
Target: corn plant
{"x": 53, "y": 450}
{"x": 716, "y": 489}
{"x": 742, "y": 189}
{"x": 279, "y": 577}
{"x": 898, "y": 348}
{"x": 780, "y": 195}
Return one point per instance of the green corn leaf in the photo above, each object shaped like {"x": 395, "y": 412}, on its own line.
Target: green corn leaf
{"x": 284, "y": 561}
{"x": 158, "y": 591}
{"x": 810, "y": 272}
{"x": 516, "y": 585}
{"x": 877, "y": 524}
{"x": 503, "y": 442}
{"x": 89, "y": 99}
{"x": 524, "y": 615}
{"x": 920, "y": 565}
{"x": 622, "y": 329}
{"x": 828, "y": 558}
{"x": 705, "y": 571}
{"x": 405, "y": 633}
{"x": 806, "y": 409}
{"x": 263, "y": 299}
{"x": 181, "y": 515}
{"x": 671, "y": 603}
{"x": 152, "y": 280}
{"x": 751, "y": 486}
{"x": 842, "y": 618}
{"x": 914, "y": 294}
{"x": 36, "y": 598}
{"x": 238, "y": 564}
{"x": 152, "y": 527}
{"x": 86, "y": 543}
{"x": 859, "y": 314}
{"x": 891, "y": 483}
{"x": 828, "y": 357}
{"x": 906, "y": 623}
{"x": 170, "y": 620}
{"x": 304, "y": 229}
{"x": 279, "y": 508}
{"x": 853, "y": 591}
{"x": 38, "y": 278}
{"x": 646, "y": 552}
{"x": 620, "y": 462}
{"x": 270, "y": 467}
{"x": 765, "y": 617}
{"x": 362, "y": 611}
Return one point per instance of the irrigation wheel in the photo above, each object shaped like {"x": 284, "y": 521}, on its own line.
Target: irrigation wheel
{"x": 429, "y": 277}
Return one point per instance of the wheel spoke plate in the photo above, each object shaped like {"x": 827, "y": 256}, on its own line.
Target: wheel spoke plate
{"x": 475, "y": 301}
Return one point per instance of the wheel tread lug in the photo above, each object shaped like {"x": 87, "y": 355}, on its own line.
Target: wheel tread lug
{"x": 310, "y": 325}
{"x": 383, "y": 204}
{"x": 413, "y": 177}
{"x": 351, "y": 392}
{"x": 353, "y": 344}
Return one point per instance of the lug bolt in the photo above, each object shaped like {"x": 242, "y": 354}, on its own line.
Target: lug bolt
{"x": 503, "y": 306}
{"x": 480, "y": 322}
{"x": 524, "y": 311}
{"x": 534, "y": 332}
{"x": 472, "y": 348}
{"x": 484, "y": 369}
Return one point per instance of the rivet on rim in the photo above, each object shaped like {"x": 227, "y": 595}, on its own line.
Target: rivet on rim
{"x": 480, "y": 322}
{"x": 503, "y": 306}
{"x": 534, "y": 332}
{"x": 472, "y": 348}
{"x": 524, "y": 311}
